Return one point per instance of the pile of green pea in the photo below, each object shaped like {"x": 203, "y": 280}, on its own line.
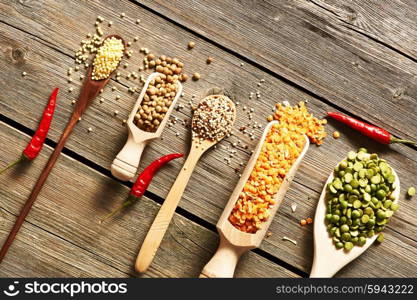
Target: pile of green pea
{"x": 359, "y": 199}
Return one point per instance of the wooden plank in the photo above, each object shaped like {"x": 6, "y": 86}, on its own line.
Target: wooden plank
{"x": 316, "y": 49}
{"x": 388, "y": 22}
{"x": 38, "y": 253}
{"x": 213, "y": 181}
{"x": 62, "y": 236}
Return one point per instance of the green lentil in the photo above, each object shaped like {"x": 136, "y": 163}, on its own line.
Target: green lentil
{"x": 360, "y": 199}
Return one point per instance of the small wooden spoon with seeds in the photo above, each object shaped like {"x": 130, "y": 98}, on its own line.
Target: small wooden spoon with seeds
{"x": 89, "y": 91}
{"x": 160, "y": 224}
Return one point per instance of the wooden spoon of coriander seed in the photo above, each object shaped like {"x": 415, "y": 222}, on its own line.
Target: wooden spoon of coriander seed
{"x": 213, "y": 119}
{"x": 95, "y": 80}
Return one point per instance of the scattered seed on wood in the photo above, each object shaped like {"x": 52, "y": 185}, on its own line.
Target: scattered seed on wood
{"x": 293, "y": 207}
{"x": 191, "y": 45}
{"x": 196, "y": 76}
{"x": 209, "y": 60}
{"x": 336, "y": 134}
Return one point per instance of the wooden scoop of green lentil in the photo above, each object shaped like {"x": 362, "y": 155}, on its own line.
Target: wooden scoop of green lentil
{"x": 359, "y": 199}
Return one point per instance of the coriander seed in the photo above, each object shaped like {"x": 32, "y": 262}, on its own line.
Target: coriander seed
{"x": 191, "y": 45}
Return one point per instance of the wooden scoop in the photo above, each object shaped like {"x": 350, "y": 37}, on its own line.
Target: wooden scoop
{"x": 89, "y": 91}
{"x": 233, "y": 242}
{"x": 127, "y": 161}
{"x": 327, "y": 259}
{"x": 160, "y": 224}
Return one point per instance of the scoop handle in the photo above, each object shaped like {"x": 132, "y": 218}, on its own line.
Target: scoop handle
{"x": 223, "y": 263}
{"x": 126, "y": 163}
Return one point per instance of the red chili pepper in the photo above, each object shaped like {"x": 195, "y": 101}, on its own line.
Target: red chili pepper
{"x": 35, "y": 145}
{"x": 143, "y": 181}
{"x": 376, "y": 133}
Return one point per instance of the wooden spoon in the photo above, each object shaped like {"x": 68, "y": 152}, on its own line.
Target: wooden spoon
{"x": 89, "y": 91}
{"x": 127, "y": 161}
{"x": 160, "y": 224}
{"x": 233, "y": 242}
{"x": 327, "y": 259}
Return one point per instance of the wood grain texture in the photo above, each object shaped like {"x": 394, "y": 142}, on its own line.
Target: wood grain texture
{"x": 62, "y": 237}
{"x": 47, "y": 45}
{"x": 389, "y": 22}
{"x": 317, "y": 49}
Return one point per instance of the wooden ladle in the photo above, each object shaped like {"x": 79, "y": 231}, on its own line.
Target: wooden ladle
{"x": 327, "y": 259}
{"x": 125, "y": 164}
{"x": 160, "y": 224}
{"x": 89, "y": 91}
{"x": 233, "y": 242}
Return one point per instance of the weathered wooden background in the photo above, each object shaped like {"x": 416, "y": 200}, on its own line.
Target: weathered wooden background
{"x": 358, "y": 57}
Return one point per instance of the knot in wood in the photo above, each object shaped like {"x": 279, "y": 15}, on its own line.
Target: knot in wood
{"x": 18, "y": 55}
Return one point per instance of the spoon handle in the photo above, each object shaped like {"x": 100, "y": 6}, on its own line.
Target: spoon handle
{"x": 38, "y": 186}
{"x": 166, "y": 212}
{"x": 324, "y": 269}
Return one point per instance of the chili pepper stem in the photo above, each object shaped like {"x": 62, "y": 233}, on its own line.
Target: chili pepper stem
{"x": 129, "y": 201}
{"x": 395, "y": 140}
{"x": 22, "y": 158}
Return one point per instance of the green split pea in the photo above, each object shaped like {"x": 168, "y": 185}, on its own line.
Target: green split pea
{"x": 360, "y": 199}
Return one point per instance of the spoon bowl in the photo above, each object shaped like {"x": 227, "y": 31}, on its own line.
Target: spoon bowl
{"x": 327, "y": 259}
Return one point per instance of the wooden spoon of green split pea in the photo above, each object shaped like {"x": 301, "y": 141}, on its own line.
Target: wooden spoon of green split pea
{"x": 89, "y": 91}
{"x": 328, "y": 260}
